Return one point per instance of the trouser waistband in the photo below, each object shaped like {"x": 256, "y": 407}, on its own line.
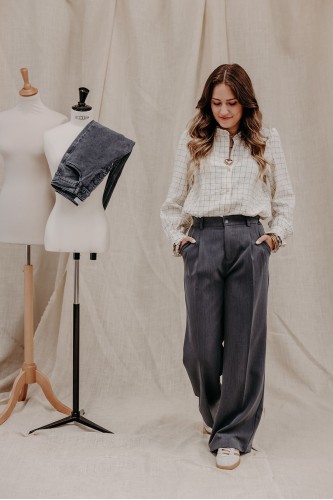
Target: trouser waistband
{"x": 225, "y": 220}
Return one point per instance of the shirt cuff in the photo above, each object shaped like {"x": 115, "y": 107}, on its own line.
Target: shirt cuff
{"x": 176, "y": 246}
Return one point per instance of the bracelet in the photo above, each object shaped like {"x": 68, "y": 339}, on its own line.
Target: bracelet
{"x": 276, "y": 240}
{"x": 176, "y": 248}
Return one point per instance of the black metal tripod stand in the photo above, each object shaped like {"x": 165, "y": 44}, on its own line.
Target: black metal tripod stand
{"x": 76, "y": 415}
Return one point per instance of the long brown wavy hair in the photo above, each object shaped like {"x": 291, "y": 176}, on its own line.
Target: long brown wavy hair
{"x": 203, "y": 125}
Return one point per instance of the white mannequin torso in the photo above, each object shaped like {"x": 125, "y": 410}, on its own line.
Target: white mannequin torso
{"x": 26, "y": 198}
{"x": 72, "y": 228}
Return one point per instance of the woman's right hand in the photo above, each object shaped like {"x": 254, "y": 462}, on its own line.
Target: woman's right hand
{"x": 186, "y": 239}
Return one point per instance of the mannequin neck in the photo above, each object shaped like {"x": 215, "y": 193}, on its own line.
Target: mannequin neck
{"x": 30, "y": 103}
{"x": 81, "y": 118}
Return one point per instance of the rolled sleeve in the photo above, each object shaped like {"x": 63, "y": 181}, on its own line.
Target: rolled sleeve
{"x": 175, "y": 221}
{"x": 283, "y": 198}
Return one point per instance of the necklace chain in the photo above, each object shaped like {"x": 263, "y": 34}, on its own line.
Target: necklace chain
{"x": 228, "y": 161}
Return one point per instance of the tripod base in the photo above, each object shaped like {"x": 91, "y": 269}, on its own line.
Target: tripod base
{"x": 30, "y": 375}
{"x": 75, "y": 417}
{"x": 75, "y": 414}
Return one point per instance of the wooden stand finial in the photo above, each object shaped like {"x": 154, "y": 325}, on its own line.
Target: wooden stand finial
{"x": 27, "y": 89}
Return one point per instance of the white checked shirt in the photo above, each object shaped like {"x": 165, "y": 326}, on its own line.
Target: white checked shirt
{"x": 220, "y": 190}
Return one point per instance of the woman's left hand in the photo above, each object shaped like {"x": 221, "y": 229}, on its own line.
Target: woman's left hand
{"x": 268, "y": 239}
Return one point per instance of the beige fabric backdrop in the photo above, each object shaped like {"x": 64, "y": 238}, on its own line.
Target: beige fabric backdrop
{"x": 145, "y": 62}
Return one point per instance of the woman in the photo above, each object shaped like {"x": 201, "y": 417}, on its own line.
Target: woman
{"x": 229, "y": 173}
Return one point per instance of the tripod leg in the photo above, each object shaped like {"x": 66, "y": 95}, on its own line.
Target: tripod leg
{"x": 92, "y": 425}
{"x": 24, "y": 392}
{"x": 14, "y": 396}
{"x": 57, "y": 423}
{"x": 44, "y": 383}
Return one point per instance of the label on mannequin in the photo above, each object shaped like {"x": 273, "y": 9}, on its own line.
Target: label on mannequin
{"x": 81, "y": 117}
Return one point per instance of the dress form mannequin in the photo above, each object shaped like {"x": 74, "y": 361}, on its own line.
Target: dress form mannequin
{"x": 72, "y": 228}
{"x": 26, "y": 201}
{"x": 26, "y": 198}
{"x": 76, "y": 229}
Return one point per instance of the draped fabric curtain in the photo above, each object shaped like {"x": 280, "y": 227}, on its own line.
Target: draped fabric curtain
{"x": 145, "y": 63}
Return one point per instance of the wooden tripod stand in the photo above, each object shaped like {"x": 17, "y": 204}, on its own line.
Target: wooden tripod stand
{"x": 29, "y": 373}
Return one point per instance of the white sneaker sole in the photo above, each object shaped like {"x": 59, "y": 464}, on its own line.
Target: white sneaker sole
{"x": 228, "y": 467}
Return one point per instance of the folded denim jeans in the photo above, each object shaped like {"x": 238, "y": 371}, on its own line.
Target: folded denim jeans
{"x": 96, "y": 152}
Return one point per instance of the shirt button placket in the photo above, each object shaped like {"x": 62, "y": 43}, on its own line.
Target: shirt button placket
{"x": 229, "y": 186}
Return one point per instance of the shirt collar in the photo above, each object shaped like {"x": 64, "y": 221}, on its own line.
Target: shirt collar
{"x": 221, "y": 132}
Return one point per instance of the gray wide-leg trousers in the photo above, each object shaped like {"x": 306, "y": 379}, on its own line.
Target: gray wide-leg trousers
{"x": 226, "y": 288}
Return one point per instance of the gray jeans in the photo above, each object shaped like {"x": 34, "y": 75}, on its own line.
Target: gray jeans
{"x": 226, "y": 288}
{"x": 95, "y": 153}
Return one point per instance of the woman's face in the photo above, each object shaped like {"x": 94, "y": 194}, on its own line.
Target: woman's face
{"x": 225, "y": 108}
